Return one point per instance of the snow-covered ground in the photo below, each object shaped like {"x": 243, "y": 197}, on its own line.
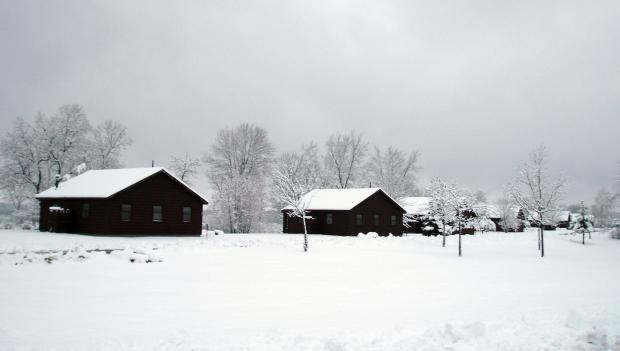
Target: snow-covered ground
{"x": 261, "y": 292}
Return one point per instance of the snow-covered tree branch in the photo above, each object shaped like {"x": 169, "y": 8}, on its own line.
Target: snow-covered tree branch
{"x": 460, "y": 202}
{"x": 110, "y": 139}
{"x": 439, "y": 205}
{"x": 296, "y": 174}
{"x": 535, "y": 192}
{"x": 508, "y": 213}
{"x": 33, "y": 154}
{"x": 238, "y": 165}
{"x": 344, "y": 158}
{"x": 184, "y": 167}
{"x": 394, "y": 171}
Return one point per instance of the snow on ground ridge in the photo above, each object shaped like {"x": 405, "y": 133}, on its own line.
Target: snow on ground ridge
{"x": 261, "y": 292}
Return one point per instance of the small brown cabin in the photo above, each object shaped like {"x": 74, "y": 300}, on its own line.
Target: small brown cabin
{"x": 131, "y": 201}
{"x": 346, "y": 212}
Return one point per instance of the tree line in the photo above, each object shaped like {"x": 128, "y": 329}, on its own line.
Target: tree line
{"x": 34, "y": 154}
{"x": 248, "y": 176}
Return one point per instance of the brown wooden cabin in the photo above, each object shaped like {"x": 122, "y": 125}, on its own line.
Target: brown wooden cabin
{"x": 346, "y": 212}
{"x": 132, "y": 201}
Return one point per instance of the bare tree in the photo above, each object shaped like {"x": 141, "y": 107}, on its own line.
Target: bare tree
{"x": 16, "y": 192}
{"x": 295, "y": 175}
{"x": 33, "y": 155}
{"x": 184, "y": 167}
{"x": 460, "y": 202}
{"x": 25, "y": 159}
{"x": 237, "y": 166}
{"x": 394, "y": 171}
{"x": 602, "y": 208}
{"x": 110, "y": 139}
{"x": 440, "y": 206}
{"x": 344, "y": 158}
{"x": 67, "y": 136}
{"x": 535, "y": 192}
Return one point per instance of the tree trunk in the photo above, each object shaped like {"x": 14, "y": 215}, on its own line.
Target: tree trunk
{"x": 538, "y": 233}
{"x": 303, "y": 219}
{"x": 460, "y": 233}
{"x": 542, "y": 242}
{"x": 583, "y": 237}
{"x": 444, "y": 235}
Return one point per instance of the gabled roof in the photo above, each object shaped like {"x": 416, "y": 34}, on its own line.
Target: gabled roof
{"x": 416, "y": 205}
{"x": 104, "y": 183}
{"x": 337, "y": 199}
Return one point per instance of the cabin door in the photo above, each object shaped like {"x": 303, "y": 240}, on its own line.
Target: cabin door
{"x": 60, "y": 222}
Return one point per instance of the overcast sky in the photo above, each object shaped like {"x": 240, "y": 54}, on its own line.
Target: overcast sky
{"x": 473, "y": 85}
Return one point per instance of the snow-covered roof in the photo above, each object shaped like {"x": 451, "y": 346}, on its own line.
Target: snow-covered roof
{"x": 491, "y": 211}
{"x": 104, "y": 183}
{"x": 335, "y": 199}
{"x": 416, "y": 205}
{"x": 562, "y": 216}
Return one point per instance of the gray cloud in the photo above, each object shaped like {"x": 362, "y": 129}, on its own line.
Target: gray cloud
{"x": 473, "y": 85}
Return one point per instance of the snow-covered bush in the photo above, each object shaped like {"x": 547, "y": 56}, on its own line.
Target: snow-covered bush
{"x": 615, "y": 233}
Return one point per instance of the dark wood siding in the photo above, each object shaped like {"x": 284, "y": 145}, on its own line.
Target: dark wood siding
{"x": 105, "y": 214}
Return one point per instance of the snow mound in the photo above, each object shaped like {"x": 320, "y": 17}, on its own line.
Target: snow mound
{"x": 368, "y": 235}
{"x": 139, "y": 255}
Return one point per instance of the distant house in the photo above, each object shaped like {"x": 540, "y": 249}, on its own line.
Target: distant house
{"x": 417, "y": 218}
{"x": 346, "y": 212}
{"x": 562, "y": 219}
{"x": 122, "y": 201}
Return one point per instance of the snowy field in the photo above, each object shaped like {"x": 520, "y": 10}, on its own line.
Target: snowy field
{"x": 261, "y": 292}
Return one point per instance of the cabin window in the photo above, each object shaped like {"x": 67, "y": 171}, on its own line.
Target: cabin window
{"x": 85, "y": 210}
{"x": 375, "y": 219}
{"x": 157, "y": 213}
{"x": 393, "y": 220}
{"x": 125, "y": 212}
{"x": 329, "y": 218}
{"x": 187, "y": 214}
{"x": 359, "y": 220}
